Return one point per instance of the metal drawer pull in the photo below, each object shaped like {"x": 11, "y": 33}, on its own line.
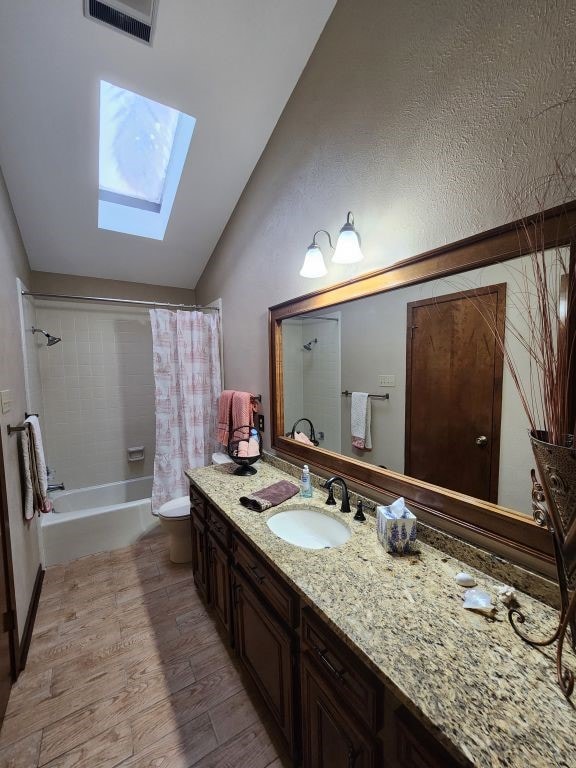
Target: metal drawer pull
{"x": 236, "y": 589}
{"x": 339, "y": 674}
{"x": 259, "y": 578}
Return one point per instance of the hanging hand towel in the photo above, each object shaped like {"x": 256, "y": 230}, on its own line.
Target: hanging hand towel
{"x": 27, "y": 485}
{"x": 270, "y": 496}
{"x": 41, "y": 473}
{"x": 242, "y": 413}
{"x": 225, "y": 416}
{"x": 360, "y": 417}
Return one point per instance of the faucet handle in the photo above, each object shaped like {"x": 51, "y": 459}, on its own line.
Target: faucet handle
{"x": 330, "y": 500}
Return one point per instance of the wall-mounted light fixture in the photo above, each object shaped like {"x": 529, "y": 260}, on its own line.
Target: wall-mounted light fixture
{"x": 347, "y": 250}
{"x": 314, "y": 265}
{"x": 348, "y": 245}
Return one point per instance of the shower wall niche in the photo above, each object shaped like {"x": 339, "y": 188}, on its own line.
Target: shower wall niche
{"x": 97, "y": 391}
{"x": 311, "y": 357}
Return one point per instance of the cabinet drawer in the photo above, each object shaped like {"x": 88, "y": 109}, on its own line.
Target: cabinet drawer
{"x": 348, "y": 675}
{"x": 197, "y": 503}
{"x": 416, "y": 748}
{"x": 218, "y": 526}
{"x": 278, "y": 594}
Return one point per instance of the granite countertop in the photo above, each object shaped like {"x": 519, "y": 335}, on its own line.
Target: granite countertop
{"x": 488, "y": 696}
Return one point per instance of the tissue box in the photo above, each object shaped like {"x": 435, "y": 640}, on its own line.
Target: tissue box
{"x": 397, "y": 527}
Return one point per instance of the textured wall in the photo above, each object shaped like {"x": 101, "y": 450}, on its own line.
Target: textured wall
{"x": 425, "y": 118}
{"x": 24, "y": 535}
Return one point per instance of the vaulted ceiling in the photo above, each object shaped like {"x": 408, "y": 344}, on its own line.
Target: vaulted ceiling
{"x": 232, "y": 64}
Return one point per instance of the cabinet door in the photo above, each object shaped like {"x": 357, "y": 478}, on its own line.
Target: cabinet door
{"x": 265, "y": 649}
{"x": 330, "y": 737}
{"x": 219, "y": 583}
{"x": 199, "y": 555}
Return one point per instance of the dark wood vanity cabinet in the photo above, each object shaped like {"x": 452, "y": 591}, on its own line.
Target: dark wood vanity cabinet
{"x": 219, "y": 581}
{"x": 199, "y": 553}
{"x": 330, "y": 737}
{"x": 342, "y": 706}
{"x": 415, "y": 747}
{"x": 266, "y": 649}
{"x": 331, "y": 709}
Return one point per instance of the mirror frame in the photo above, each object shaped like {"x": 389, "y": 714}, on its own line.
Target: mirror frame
{"x": 464, "y": 516}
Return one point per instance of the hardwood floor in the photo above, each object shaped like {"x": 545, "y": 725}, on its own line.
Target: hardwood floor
{"x": 127, "y": 668}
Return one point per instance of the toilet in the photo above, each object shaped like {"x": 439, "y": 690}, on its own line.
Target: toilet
{"x": 174, "y": 517}
{"x": 221, "y": 458}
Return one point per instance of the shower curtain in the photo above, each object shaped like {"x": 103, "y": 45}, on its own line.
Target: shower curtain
{"x": 187, "y": 381}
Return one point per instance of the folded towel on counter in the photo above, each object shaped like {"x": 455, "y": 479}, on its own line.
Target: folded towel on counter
{"x": 302, "y": 438}
{"x": 360, "y": 418}
{"x": 270, "y": 496}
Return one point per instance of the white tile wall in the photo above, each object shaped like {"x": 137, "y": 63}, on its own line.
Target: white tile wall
{"x": 312, "y": 378}
{"x": 321, "y": 367}
{"x": 32, "y": 344}
{"x": 97, "y": 391}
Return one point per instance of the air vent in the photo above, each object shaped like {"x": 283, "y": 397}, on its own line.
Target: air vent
{"x": 133, "y": 17}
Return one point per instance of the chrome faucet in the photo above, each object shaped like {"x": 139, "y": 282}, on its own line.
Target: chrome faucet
{"x": 56, "y": 487}
{"x": 345, "y": 506}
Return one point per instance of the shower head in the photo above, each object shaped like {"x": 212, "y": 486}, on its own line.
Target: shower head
{"x": 308, "y": 346}
{"x": 51, "y": 339}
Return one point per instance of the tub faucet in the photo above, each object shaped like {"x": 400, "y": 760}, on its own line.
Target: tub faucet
{"x": 345, "y": 506}
{"x": 56, "y": 487}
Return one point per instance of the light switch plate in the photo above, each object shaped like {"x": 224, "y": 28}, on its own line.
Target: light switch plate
{"x": 387, "y": 380}
{"x": 6, "y": 400}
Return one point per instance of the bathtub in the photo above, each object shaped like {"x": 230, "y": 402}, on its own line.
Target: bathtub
{"x": 96, "y": 519}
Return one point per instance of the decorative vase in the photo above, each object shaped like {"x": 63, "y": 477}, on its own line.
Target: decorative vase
{"x": 557, "y": 471}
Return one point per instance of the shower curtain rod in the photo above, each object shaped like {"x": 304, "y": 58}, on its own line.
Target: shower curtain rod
{"x": 117, "y": 301}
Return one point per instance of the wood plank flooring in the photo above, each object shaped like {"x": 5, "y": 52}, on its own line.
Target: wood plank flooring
{"x": 127, "y": 669}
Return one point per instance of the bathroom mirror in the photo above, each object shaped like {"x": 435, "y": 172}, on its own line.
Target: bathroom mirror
{"x": 360, "y": 335}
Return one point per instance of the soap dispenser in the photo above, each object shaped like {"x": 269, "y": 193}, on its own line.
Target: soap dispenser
{"x": 305, "y": 483}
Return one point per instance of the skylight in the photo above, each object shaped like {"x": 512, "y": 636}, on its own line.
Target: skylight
{"x": 143, "y": 147}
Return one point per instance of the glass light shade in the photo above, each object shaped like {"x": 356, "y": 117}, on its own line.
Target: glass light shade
{"x": 348, "y": 247}
{"x": 313, "y": 263}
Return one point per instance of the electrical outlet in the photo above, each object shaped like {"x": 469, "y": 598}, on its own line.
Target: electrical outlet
{"x": 6, "y": 400}
{"x": 260, "y": 422}
{"x": 387, "y": 380}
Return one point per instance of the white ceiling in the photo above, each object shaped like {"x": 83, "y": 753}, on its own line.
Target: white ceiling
{"x": 232, "y": 64}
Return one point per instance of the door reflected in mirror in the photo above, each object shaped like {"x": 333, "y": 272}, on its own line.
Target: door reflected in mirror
{"x": 453, "y": 417}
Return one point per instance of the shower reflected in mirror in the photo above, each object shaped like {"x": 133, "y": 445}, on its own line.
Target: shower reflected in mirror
{"x": 308, "y": 345}
{"x": 51, "y": 339}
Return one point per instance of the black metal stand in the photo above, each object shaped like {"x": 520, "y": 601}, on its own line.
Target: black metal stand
{"x": 567, "y": 619}
{"x": 245, "y": 469}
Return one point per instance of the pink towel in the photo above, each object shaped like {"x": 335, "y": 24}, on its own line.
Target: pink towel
{"x": 225, "y": 416}
{"x": 242, "y": 413}
{"x": 302, "y": 438}
{"x": 253, "y": 447}
{"x": 242, "y": 449}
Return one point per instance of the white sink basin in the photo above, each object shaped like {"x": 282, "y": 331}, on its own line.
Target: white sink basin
{"x": 309, "y": 529}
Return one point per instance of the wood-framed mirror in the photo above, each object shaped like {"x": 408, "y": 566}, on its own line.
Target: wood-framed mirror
{"x": 363, "y": 331}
